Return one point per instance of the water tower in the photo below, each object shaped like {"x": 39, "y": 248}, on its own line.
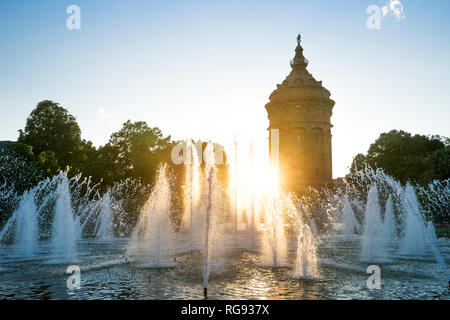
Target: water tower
{"x": 301, "y": 108}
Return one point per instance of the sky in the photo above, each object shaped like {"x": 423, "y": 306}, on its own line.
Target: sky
{"x": 206, "y": 69}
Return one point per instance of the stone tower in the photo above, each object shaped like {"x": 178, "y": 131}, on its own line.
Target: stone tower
{"x": 300, "y": 108}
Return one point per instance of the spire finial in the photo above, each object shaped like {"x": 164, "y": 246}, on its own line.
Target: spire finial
{"x": 299, "y": 60}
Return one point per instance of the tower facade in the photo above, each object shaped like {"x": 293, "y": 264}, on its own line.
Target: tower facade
{"x": 301, "y": 108}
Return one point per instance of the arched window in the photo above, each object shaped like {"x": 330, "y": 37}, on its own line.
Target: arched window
{"x": 299, "y": 134}
{"x": 317, "y": 135}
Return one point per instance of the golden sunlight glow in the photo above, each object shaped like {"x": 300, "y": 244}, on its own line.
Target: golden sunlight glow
{"x": 251, "y": 178}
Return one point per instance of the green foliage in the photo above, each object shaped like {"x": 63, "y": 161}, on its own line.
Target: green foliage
{"x": 435, "y": 201}
{"x": 49, "y": 163}
{"x": 50, "y": 127}
{"x": 19, "y": 171}
{"x": 358, "y": 164}
{"x": 318, "y": 204}
{"x": 440, "y": 161}
{"x": 22, "y": 150}
{"x": 135, "y": 151}
{"x": 88, "y": 162}
{"x": 443, "y": 232}
{"x": 18, "y": 168}
{"x": 53, "y": 137}
{"x": 8, "y": 202}
{"x": 51, "y": 142}
{"x": 419, "y": 159}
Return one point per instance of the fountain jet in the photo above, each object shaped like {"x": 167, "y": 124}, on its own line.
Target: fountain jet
{"x": 389, "y": 226}
{"x": 416, "y": 231}
{"x": 373, "y": 243}
{"x": 306, "y": 261}
{"x": 274, "y": 242}
{"x": 27, "y": 226}
{"x": 351, "y": 225}
{"x": 153, "y": 233}
{"x": 105, "y": 229}
{"x": 66, "y": 227}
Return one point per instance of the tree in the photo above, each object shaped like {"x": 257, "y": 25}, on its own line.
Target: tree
{"x": 22, "y": 150}
{"x": 19, "y": 168}
{"x": 49, "y": 163}
{"x": 19, "y": 171}
{"x": 440, "y": 160}
{"x": 136, "y": 151}
{"x": 108, "y": 171}
{"x": 418, "y": 158}
{"x": 358, "y": 164}
{"x": 87, "y": 161}
{"x": 50, "y": 127}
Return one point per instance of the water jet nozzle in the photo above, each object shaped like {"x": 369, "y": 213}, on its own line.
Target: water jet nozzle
{"x": 205, "y": 292}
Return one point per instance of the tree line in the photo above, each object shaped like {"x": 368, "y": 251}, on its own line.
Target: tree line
{"x": 417, "y": 159}
{"x": 51, "y": 141}
{"x": 52, "y": 137}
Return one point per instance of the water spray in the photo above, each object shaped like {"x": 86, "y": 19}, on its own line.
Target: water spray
{"x": 191, "y": 194}
{"x": 413, "y": 207}
{"x": 235, "y": 191}
{"x": 207, "y": 225}
{"x": 252, "y": 196}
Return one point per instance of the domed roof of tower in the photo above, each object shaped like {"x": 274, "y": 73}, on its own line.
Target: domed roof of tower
{"x": 299, "y": 77}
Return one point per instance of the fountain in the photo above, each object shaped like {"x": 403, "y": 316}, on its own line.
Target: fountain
{"x": 389, "y": 225}
{"x": 66, "y": 228}
{"x": 26, "y": 218}
{"x": 252, "y": 197}
{"x": 413, "y": 241}
{"x": 67, "y": 210}
{"x": 235, "y": 189}
{"x": 28, "y": 215}
{"x": 27, "y": 226}
{"x": 351, "y": 225}
{"x": 207, "y": 231}
{"x": 431, "y": 231}
{"x": 153, "y": 233}
{"x": 306, "y": 261}
{"x": 192, "y": 192}
{"x": 373, "y": 247}
{"x": 105, "y": 224}
{"x": 414, "y": 224}
{"x": 313, "y": 227}
{"x": 213, "y": 240}
{"x": 274, "y": 243}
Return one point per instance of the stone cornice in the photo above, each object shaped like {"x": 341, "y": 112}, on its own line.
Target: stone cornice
{"x": 299, "y": 124}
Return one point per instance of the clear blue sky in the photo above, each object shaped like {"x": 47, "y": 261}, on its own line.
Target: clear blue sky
{"x": 205, "y": 69}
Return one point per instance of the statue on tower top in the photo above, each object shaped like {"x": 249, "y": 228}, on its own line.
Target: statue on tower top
{"x": 299, "y": 39}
